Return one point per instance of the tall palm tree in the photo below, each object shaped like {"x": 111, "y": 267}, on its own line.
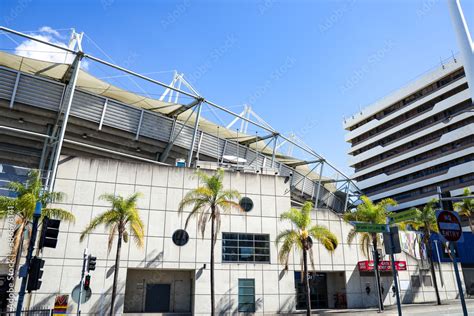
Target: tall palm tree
{"x": 120, "y": 219}
{"x": 425, "y": 221}
{"x": 207, "y": 203}
{"x": 466, "y": 207}
{"x": 373, "y": 213}
{"x": 22, "y": 207}
{"x": 300, "y": 236}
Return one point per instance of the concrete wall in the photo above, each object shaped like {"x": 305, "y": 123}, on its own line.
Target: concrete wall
{"x": 84, "y": 180}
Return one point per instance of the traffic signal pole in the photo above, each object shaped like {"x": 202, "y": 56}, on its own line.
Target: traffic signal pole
{"x": 81, "y": 284}
{"x": 394, "y": 270}
{"x": 25, "y": 268}
{"x": 377, "y": 280}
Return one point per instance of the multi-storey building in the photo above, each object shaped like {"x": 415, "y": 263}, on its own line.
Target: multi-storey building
{"x": 416, "y": 139}
{"x": 116, "y": 143}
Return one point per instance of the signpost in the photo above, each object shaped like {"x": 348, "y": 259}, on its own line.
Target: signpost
{"x": 450, "y": 230}
{"x": 391, "y": 231}
{"x": 370, "y": 228}
{"x": 449, "y": 225}
{"x": 402, "y": 216}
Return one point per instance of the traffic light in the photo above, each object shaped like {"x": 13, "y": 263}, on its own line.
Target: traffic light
{"x": 34, "y": 274}
{"x": 49, "y": 233}
{"x": 447, "y": 205}
{"x": 87, "y": 282}
{"x": 91, "y": 261}
{"x": 377, "y": 257}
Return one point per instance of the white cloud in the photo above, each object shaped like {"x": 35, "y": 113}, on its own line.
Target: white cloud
{"x": 36, "y": 50}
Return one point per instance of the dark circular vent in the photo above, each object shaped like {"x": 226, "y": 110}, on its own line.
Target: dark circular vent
{"x": 246, "y": 204}
{"x": 180, "y": 237}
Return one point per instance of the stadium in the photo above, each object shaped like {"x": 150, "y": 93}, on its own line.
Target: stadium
{"x": 89, "y": 136}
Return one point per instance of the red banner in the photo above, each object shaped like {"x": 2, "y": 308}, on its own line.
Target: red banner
{"x": 384, "y": 265}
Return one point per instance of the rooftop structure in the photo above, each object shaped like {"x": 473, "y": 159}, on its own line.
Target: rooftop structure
{"x": 59, "y": 109}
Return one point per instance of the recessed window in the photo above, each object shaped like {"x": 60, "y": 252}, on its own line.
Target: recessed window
{"x": 415, "y": 281}
{"x": 180, "y": 237}
{"x": 427, "y": 280}
{"x": 240, "y": 247}
{"x": 247, "y": 295}
{"x": 246, "y": 204}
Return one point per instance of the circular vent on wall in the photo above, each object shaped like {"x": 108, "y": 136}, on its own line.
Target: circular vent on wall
{"x": 246, "y": 204}
{"x": 180, "y": 237}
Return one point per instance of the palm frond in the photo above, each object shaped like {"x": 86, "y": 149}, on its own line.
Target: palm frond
{"x": 106, "y": 218}
{"x": 324, "y": 236}
{"x": 58, "y": 213}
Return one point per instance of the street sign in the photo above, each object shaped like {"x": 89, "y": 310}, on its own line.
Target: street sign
{"x": 387, "y": 241}
{"x": 86, "y": 294}
{"x": 402, "y": 216}
{"x": 449, "y": 225}
{"x": 370, "y": 228}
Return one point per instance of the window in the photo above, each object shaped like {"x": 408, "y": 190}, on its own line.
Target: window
{"x": 247, "y": 295}
{"x": 415, "y": 281}
{"x": 427, "y": 280}
{"x": 237, "y": 247}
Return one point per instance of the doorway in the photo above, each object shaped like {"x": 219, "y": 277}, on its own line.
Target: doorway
{"x": 157, "y": 298}
{"x": 317, "y": 287}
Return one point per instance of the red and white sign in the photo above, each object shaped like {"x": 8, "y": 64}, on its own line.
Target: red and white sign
{"x": 449, "y": 225}
{"x": 384, "y": 265}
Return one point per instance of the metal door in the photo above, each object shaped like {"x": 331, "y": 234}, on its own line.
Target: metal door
{"x": 157, "y": 298}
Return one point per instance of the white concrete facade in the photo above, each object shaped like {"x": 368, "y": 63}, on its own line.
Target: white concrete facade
{"x": 83, "y": 180}
{"x": 415, "y": 139}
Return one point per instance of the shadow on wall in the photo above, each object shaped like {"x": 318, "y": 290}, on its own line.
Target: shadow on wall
{"x": 227, "y": 306}
{"x": 361, "y": 289}
{"x": 47, "y": 301}
{"x": 408, "y": 295}
{"x": 288, "y": 306}
{"x": 102, "y": 305}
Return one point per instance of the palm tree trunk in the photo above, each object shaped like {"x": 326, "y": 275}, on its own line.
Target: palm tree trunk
{"x": 433, "y": 273}
{"x": 116, "y": 270}
{"x": 470, "y": 223}
{"x": 19, "y": 250}
{"x": 306, "y": 281}
{"x": 212, "y": 259}
{"x": 376, "y": 269}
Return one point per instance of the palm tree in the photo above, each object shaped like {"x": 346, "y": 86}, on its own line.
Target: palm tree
{"x": 425, "y": 221}
{"x": 207, "y": 203}
{"x": 368, "y": 212}
{"x": 300, "y": 236}
{"x": 120, "y": 219}
{"x": 466, "y": 207}
{"x": 22, "y": 207}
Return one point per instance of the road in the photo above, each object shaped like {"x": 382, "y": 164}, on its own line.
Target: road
{"x": 452, "y": 308}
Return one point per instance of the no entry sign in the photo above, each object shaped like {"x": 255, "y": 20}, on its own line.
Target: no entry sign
{"x": 449, "y": 225}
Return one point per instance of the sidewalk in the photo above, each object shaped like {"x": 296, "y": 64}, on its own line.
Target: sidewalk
{"x": 452, "y": 308}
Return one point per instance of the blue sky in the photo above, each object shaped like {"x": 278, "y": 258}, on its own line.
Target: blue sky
{"x": 302, "y": 65}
